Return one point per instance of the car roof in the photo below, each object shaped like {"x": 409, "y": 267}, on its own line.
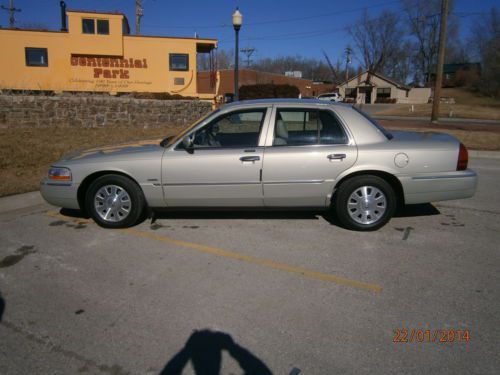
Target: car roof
{"x": 281, "y": 101}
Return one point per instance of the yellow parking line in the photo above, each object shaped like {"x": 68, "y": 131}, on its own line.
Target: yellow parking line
{"x": 244, "y": 258}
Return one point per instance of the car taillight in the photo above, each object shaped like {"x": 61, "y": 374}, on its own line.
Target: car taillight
{"x": 463, "y": 158}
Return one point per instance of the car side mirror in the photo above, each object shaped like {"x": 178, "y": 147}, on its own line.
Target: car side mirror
{"x": 187, "y": 142}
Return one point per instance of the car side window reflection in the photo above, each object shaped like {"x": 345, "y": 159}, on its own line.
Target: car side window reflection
{"x": 232, "y": 130}
{"x": 299, "y": 127}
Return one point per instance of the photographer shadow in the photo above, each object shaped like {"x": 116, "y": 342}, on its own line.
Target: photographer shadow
{"x": 204, "y": 350}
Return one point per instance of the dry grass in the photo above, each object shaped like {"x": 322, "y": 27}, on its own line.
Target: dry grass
{"x": 26, "y": 153}
{"x": 468, "y": 105}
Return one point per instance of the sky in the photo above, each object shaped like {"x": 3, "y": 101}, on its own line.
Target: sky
{"x": 272, "y": 27}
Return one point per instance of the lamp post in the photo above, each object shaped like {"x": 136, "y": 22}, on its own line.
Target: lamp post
{"x": 237, "y": 21}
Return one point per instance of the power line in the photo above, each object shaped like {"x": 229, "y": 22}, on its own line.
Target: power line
{"x": 283, "y": 20}
{"x": 248, "y": 51}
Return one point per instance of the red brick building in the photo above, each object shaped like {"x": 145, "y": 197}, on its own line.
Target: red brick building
{"x": 222, "y": 82}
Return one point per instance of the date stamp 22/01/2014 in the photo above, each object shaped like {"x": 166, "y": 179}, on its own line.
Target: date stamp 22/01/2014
{"x": 405, "y": 335}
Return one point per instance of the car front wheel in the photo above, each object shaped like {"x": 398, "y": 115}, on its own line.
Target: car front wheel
{"x": 365, "y": 203}
{"x": 115, "y": 201}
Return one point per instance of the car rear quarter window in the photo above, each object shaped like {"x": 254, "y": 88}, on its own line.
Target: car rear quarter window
{"x": 301, "y": 127}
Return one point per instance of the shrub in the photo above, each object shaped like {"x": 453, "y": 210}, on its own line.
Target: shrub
{"x": 157, "y": 96}
{"x": 386, "y": 100}
{"x": 268, "y": 90}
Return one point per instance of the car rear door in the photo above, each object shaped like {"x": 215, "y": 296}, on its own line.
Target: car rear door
{"x": 306, "y": 149}
{"x": 224, "y": 167}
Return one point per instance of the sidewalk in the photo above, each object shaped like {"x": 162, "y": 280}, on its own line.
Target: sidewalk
{"x": 442, "y": 119}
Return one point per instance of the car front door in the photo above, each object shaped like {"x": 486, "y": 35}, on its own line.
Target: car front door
{"x": 307, "y": 149}
{"x": 223, "y": 166}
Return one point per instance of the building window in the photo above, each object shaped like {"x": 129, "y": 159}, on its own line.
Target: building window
{"x": 350, "y": 93}
{"x": 88, "y": 26}
{"x": 103, "y": 27}
{"x": 179, "y": 62}
{"x": 36, "y": 57}
{"x": 384, "y": 93}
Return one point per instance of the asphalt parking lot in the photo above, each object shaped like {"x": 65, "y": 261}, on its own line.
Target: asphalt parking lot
{"x": 255, "y": 293}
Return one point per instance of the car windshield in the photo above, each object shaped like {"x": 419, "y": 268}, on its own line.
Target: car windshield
{"x": 172, "y": 139}
{"x": 375, "y": 123}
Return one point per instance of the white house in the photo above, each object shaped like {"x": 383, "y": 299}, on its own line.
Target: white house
{"x": 369, "y": 87}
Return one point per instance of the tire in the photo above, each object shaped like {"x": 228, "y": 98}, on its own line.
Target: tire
{"x": 115, "y": 201}
{"x": 365, "y": 203}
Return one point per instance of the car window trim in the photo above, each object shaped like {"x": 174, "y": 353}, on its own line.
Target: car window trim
{"x": 344, "y": 128}
{"x": 266, "y": 109}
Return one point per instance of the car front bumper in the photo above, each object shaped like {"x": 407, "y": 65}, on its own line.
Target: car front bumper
{"x": 61, "y": 194}
{"x": 427, "y": 188}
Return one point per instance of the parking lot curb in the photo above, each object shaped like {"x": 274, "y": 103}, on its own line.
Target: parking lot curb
{"x": 19, "y": 201}
{"x": 484, "y": 154}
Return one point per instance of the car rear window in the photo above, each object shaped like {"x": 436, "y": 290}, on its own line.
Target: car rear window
{"x": 375, "y": 123}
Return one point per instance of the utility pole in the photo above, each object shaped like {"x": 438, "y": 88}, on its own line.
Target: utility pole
{"x": 248, "y": 51}
{"x": 348, "y": 51}
{"x": 11, "y": 9}
{"x": 139, "y": 12}
{"x": 440, "y": 62}
{"x": 334, "y": 73}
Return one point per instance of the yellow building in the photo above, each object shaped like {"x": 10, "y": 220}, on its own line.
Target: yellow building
{"x": 96, "y": 53}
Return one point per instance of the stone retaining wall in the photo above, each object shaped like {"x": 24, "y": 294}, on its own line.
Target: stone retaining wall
{"x": 96, "y": 111}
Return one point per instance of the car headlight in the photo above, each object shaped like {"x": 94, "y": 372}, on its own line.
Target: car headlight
{"x": 59, "y": 174}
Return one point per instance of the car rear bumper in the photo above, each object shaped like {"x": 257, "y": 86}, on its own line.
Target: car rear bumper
{"x": 427, "y": 188}
{"x": 60, "y": 194}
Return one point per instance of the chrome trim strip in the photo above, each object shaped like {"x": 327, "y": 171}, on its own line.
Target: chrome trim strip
{"x": 464, "y": 175}
{"x": 56, "y": 184}
{"x": 294, "y": 182}
{"x": 212, "y": 183}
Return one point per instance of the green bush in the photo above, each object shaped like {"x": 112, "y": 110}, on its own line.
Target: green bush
{"x": 268, "y": 90}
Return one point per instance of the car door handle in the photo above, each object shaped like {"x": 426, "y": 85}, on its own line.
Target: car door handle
{"x": 336, "y": 156}
{"x": 250, "y": 158}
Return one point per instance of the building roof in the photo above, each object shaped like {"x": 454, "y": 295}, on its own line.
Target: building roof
{"x": 382, "y": 77}
{"x": 114, "y": 13}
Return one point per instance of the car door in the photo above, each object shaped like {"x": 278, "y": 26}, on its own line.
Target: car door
{"x": 307, "y": 149}
{"x": 224, "y": 166}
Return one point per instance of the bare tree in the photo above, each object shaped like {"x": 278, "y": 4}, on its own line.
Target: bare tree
{"x": 485, "y": 38}
{"x": 377, "y": 40}
{"x": 311, "y": 68}
{"x": 225, "y": 59}
{"x": 423, "y": 23}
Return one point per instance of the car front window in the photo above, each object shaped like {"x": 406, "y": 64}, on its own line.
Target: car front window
{"x": 171, "y": 140}
{"x": 232, "y": 130}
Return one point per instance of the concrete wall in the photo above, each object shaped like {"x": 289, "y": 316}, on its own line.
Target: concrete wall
{"x": 96, "y": 111}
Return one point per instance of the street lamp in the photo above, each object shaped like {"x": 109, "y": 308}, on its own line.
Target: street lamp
{"x": 237, "y": 21}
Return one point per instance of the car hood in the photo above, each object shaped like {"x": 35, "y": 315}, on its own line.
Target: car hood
{"x": 137, "y": 149}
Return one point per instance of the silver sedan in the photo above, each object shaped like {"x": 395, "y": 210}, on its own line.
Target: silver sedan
{"x": 267, "y": 154}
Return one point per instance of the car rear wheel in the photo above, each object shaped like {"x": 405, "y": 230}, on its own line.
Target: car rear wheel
{"x": 114, "y": 201}
{"x": 365, "y": 203}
